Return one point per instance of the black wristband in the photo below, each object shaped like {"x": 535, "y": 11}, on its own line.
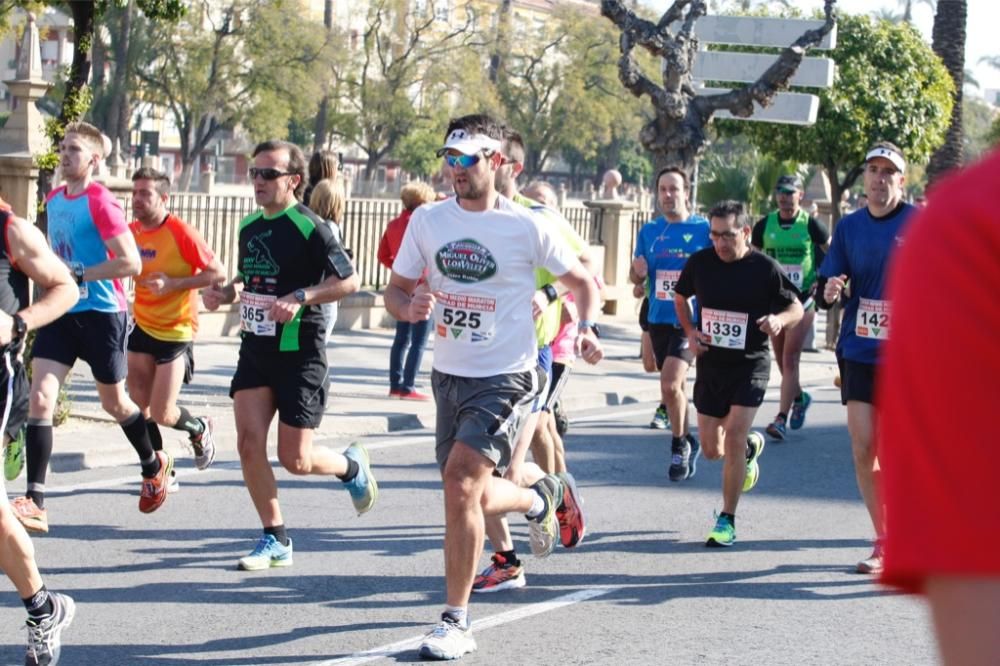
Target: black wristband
{"x": 550, "y": 292}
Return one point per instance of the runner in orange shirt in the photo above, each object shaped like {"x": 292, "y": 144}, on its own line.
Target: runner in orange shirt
{"x": 175, "y": 263}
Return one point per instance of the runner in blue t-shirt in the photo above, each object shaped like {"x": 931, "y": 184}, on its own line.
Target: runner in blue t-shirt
{"x": 662, "y": 248}
{"x": 863, "y": 243}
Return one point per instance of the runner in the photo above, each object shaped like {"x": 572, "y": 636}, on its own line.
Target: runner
{"x": 289, "y": 262}
{"x": 480, "y": 250}
{"x": 863, "y": 244}
{"x": 175, "y": 262}
{"x": 798, "y": 242}
{"x": 87, "y": 230}
{"x": 506, "y": 570}
{"x": 23, "y": 255}
{"x": 743, "y": 297}
{"x": 661, "y": 251}
{"x": 939, "y": 481}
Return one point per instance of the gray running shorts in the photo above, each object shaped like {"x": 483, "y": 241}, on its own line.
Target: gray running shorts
{"x": 484, "y": 413}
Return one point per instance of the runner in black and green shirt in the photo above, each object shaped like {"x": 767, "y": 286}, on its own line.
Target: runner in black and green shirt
{"x": 289, "y": 263}
{"x": 797, "y": 242}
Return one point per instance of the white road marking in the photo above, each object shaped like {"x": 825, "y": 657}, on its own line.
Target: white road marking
{"x": 514, "y": 615}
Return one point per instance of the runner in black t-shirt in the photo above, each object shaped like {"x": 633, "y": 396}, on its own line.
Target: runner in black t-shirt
{"x": 743, "y": 296}
{"x": 289, "y": 263}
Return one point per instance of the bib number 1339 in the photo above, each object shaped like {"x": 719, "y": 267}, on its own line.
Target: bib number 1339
{"x": 727, "y": 329}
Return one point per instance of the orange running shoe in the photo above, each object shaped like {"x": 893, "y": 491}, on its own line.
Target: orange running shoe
{"x": 154, "y": 491}
{"x": 500, "y": 575}
{"x": 572, "y": 526}
{"x": 33, "y": 518}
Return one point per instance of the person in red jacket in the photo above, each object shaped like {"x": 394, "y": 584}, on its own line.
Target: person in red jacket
{"x": 402, "y": 375}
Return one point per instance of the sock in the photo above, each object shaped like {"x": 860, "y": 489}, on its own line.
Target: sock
{"x": 677, "y": 441}
{"x": 731, "y": 517}
{"x": 189, "y": 424}
{"x": 278, "y": 532}
{"x": 538, "y": 507}
{"x": 38, "y": 451}
{"x": 782, "y": 416}
{"x": 459, "y": 616}
{"x": 510, "y": 557}
{"x": 134, "y": 428}
{"x": 352, "y": 470}
{"x": 39, "y": 605}
{"x": 155, "y": 438}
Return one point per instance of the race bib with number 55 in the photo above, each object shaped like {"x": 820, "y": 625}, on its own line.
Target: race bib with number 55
{"x": 666, "y": 282}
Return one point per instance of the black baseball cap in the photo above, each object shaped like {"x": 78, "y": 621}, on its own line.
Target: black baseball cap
{"x": 789, "y": 184}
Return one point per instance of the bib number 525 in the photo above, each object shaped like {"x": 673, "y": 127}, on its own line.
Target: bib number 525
{"x": 453, "y": 317}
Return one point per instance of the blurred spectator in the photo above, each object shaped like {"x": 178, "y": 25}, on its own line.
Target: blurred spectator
{"x": 327, "y": 200}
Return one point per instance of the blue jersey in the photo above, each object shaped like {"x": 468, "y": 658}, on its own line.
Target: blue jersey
{"x": 666, "y": 247}
{"x": 861, "y": 249}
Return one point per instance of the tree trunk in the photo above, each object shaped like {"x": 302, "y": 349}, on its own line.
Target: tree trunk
{"x": 319, "y": 125}
{"x": 79, "y": 71}
{"x": 500, "y": 45}
{"x": 949, "y": 44}
{"x": 121, "y": 106}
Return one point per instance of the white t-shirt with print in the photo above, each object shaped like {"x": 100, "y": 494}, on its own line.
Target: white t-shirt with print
{"x": 482, "y": 263}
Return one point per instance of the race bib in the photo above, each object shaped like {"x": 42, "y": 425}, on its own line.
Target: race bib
{"x": 255, "y": 313}
{"x": 794, "y": 273}
{"x": 727, "y": 329}
{"x": 666, "y": 282}
{"x": 873, "y": 319}
{"x": 465, "y": 318}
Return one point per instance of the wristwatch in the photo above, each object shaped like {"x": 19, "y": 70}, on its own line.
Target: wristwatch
{"x": 78, "y": 270}
{"x": 18, "y": 328}
{"x": 300, "y": 296}
{"x": 550, "y": 292}
{"x": 592, "y": 325}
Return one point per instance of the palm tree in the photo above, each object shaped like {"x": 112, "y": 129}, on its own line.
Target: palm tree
{"x": 949, "y": 44}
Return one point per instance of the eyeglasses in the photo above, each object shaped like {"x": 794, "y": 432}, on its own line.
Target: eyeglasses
{"x": 268, "y": 173}
{"x": 464, "y": 161}
{"x": 725, "y": 235}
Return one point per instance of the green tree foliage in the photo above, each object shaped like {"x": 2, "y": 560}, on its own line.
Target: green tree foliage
{"x": 417, "y": 151}
{"x": 735, "y": 169}
{"x": 405, "y": 66}
{"x": 559, "y": 88}
{"x": 889, "y": 85}
{"x": 252, "y": 63}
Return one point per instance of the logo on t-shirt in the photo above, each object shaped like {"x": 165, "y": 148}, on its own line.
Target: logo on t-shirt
{"x": 259, "y": 260}
{"x": 466, "y": 261}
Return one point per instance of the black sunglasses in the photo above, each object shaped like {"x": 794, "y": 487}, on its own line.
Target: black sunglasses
{"x": 268, "y": 173}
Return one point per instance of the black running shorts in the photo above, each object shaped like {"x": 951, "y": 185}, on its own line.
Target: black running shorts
{"x": 717, "y": 388}
{"x": 669, "y": 340}
{"x": 298, "y": 380}
{"x": 98, "y": 338}
{"x": 857, "y": 381}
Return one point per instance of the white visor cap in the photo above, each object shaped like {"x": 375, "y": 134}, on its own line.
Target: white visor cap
{"x": 469, "y": 144}
{"x": 889, "y": 154}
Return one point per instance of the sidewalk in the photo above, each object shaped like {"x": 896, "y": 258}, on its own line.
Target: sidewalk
{"x": 359, "y": 403}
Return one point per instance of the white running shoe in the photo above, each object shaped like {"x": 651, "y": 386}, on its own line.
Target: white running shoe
{"x": 447, "y": 641}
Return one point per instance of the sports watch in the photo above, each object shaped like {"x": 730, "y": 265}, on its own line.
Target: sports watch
{"x": 300, "y": 296}
{"x": 18, "y": 328}
{"x": 592, "y": 325}
{"x": 78, "y": 271}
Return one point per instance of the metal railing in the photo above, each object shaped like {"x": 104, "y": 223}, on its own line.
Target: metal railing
{"x": 217, "y": 217}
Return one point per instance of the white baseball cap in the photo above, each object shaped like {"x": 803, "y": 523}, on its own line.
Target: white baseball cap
{"x": 469, "y": 144}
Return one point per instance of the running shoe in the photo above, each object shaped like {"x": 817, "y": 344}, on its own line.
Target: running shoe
{"x": 562, "y": 421}
{"x": 543, "y": 530}
{"x": 173, "y": 485}
{"x": 154, "y": 490}
{"x": 799, "y": 407}
{"x": 755, "y": 448}
{"x": 28, "y": 513}
{"x": 447, "y": 641}
{"x": 13, "y": 457}
{"x": 695, "y": 454}
{"x": 569, "y": 515}
{"x": 499, "y": 575}
{"x": 45, "y": 635}
{"x": 680, "y": 454}
{"x": 777, "y": 430}
{"x": 722, "y": 535}
{"x": 204, "y": 444}
{"x": 414, "y": 395}
{"x": 661, "y": 420}
{"x": 363, "y": 487}
{"x": 267, "y": 553}
{"x": 873, "y": 563}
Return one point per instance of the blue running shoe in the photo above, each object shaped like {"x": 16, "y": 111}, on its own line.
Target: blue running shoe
{"x": 695, "y": 453}
{"x": 799, "y": 407}
{"x": 722, "y": 535}
{"x": 776, "y": 430}
{"x": 267, "y": 553}
{"x": 363, "y": 487}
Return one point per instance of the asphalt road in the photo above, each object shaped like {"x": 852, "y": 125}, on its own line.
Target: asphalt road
{"x": 641, "y": 589}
